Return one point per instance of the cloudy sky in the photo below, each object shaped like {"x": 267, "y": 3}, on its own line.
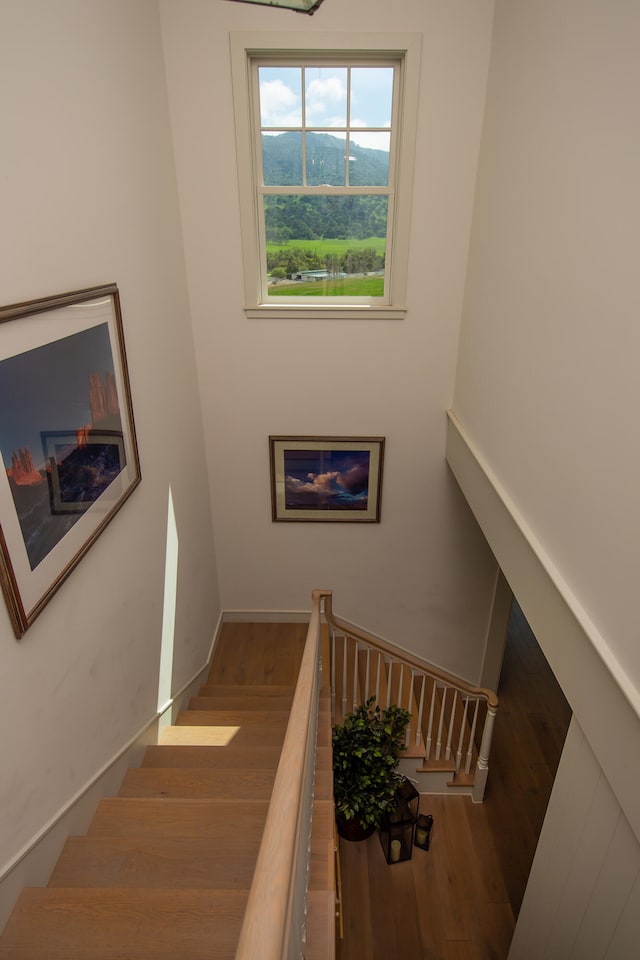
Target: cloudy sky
{"x": 326, "y": 100}
{"x": 336, "y": 478}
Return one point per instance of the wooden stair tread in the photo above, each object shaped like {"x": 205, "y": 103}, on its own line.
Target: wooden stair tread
{"x": 230, "y": 757}
{"x": 123, "y": 924}
{"x": 265, "y": 691}
{"x": 178, "y": 817}
{"x": 224, "y": 784}
{"x": 258, "y": 653}
{"x": 462, "y": 779}
{"x": 207, "y": 735}
{"x": 235, "y": 718}
{"x": 216, "y": 701}
{"x": 183, "y": 862}
{"x": 249, "y": 734}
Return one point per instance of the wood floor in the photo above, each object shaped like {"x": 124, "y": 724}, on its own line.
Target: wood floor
{"x": 459, "y": 900}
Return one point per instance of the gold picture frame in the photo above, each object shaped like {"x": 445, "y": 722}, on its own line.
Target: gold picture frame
{"x": 326, "y": 479}
{"x": 67, "y": 439}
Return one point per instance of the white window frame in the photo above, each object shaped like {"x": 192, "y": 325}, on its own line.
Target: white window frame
{"x": 246, "y": 47}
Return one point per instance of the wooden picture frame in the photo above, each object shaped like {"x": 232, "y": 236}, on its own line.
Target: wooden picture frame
{"x": 326, "y": 479}
{"x": 67, "y": 439}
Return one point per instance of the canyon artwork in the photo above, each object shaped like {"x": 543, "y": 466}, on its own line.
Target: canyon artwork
{"x": 56, "y": 479}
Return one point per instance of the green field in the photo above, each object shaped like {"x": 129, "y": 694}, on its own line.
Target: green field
{"x": 347, "y": 287}
{"x": 329, "y": 248}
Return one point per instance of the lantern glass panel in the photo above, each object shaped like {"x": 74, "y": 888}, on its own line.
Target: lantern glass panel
{"x": 424, "y": 824}
{"x": 396, "y": 833}
{"x": 408, "y": 793}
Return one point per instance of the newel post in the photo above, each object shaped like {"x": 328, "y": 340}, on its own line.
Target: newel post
{"x": 482, "y": 767}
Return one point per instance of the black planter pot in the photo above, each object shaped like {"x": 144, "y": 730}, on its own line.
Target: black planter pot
{"x": 353, "y": 830}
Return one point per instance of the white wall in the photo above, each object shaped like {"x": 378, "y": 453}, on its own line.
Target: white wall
{"x": 543, "y": 436}
{"x": 549, "y": 365}
{"x": 88, "y": 196}
{"x": 423, "y": 577}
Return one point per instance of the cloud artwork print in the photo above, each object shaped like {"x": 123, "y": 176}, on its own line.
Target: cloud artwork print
{"x": 326, "y": 478}
{"x": 67, "y": 439}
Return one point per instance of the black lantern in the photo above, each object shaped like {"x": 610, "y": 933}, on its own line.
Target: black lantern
{"x": 407, "y": 792}
{"x": 396, "y": 833}
{"x": 424, "y": 823}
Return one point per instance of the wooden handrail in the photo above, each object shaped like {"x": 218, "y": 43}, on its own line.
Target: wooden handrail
{"x": 273, "y": 926}
{"x": 410, "y": 659}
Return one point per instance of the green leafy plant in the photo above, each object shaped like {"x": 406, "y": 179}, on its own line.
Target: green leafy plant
{"x": 366, "y": 751}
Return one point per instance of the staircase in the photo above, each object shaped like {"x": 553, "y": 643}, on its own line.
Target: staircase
{"x": 166, "y": 867}
{"x": 448, "y": 739}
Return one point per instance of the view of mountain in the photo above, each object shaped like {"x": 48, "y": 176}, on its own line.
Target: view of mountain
{"x": 326, "y": 161}
{"x": 293, "y": 219}
{"x": 312, "y": 218}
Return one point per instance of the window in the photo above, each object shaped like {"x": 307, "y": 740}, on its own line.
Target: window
{"x": 325, "y": 128}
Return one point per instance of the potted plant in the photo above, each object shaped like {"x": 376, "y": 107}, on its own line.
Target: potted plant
{"x": 366, "y": 751}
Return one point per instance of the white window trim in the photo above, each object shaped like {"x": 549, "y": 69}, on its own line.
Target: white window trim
{"x": 247, "y": 45}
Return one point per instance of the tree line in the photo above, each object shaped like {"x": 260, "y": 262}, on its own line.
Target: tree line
{"x": 286, "y": 261}
{"x": 324, "y": 217}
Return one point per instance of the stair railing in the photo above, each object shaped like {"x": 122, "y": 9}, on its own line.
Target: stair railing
{"x": 274, "y": 926}
{"x": 451, "y": 721}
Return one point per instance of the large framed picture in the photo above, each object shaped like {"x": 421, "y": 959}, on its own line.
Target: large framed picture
{"x": 67, "y": 439}
{"x": 326, "y": 479}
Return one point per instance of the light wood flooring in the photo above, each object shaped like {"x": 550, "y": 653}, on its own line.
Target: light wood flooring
{"x": 459, "y": 900}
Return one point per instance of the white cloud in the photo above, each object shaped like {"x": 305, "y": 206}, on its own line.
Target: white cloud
{"x": 322, "y": 98}
{"x": 371, "y": 140}
{"x": 279, "y": 105}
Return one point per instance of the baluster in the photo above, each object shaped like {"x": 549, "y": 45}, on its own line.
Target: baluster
{"x": 366, "y": 683}
{"x": 461, "y": 737}
{"x": 378, "y": 678}
{"x": 345, "y": 664}
{"x": 401, "y": 684}
{"x": 420, "y": 710}
{"x": 452, "y": 717}
{"x": 467, "y": 766}
{"x": 389, "y": 681}
{"x": 445, "y": 691}
{"x": 355, "y": 674}
{"x": 431, "y": 712}
{"x": 332, "y": 634}
{"x": 413, "y": 674}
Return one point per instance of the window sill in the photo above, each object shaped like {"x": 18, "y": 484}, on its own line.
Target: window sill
{"x": 300, "y": 311}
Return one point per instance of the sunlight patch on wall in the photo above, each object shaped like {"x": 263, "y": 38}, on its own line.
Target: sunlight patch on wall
{"x": 169, "y": 610}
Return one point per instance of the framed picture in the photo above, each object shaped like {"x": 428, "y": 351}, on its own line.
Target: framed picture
{"x": 67, "y": 439}
{"x": 326, "y": 479}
